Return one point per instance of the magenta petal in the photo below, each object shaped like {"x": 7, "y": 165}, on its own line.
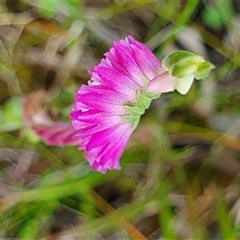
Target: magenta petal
{"x": 113, "y": 81}
{"x": 89, "y": 128}
{"x": 145, "y": 59}
{"x": 87, "y": 104}
{"x": 103, "y": 91}
{"x": 109, "y": 76}
{"x": 123, "y": 56}
{"x": 106, "y": 156}
{"x": 109, "y": 134}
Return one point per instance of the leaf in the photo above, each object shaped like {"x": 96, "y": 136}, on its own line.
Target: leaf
{"x": 218, "y": 15}
{"x": 11, "y": 115}
{"x": 212, "y": 18}
{"x": 47, "y": 8}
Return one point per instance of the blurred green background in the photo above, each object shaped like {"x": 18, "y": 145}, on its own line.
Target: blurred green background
{"x": 180, "y": 169}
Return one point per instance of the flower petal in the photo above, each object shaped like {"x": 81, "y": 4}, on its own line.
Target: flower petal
{"x": 107, "y": 155}
{"x": 162, "y": 83}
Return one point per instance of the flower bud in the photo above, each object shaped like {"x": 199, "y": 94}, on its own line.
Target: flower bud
{"x": 185, "y": 66}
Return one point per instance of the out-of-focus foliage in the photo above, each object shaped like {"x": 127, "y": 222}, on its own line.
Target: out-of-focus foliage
{"x": 11, "y": 115}
{"x": 180, "y": 170}
{"x": 218, "y": 14}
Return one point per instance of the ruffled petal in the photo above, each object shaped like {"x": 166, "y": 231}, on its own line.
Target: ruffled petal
{"x": 145, "y": 59}
{"x": 106, "y": 154}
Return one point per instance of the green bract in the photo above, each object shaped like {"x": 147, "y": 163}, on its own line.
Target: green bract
{"x": 137, "y": 108}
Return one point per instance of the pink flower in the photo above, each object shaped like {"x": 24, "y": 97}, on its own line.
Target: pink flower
{"x": 57, "y": 134}
{"x": 44, "y": 122}
{"x": 108, "y": 109}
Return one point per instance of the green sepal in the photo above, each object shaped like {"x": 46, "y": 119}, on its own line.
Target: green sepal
{"x": 137, "y": 108}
